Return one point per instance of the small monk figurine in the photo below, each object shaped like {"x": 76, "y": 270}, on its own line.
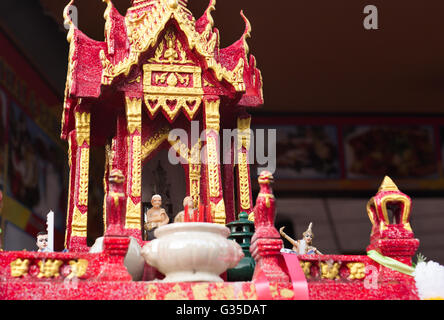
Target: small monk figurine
{"x": 188, "y": 201}
{"x": 155, "y": 217}
{"x": 302, "y": 246}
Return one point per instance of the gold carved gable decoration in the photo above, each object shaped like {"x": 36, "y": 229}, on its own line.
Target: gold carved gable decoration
{"x": 145, "y": 27}
{"x": 172, "y": 82}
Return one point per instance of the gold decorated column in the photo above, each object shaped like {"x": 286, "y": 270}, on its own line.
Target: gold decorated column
{"x": 213, "y": 172}
{"x": 133, "y": 220}
{"x": 243, "y": 167}
{"x": 79, "y": 154}
{"x": 194, "y": 173}
{"x": 72, "y": 153}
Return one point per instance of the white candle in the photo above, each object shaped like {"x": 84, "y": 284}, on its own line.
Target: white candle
{"x": 50, "y": 230}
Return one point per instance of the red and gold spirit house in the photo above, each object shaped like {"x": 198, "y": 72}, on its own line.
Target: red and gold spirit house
{"x": 159, "y": 69}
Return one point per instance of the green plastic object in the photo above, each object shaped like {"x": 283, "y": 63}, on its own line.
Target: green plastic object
{"x": 242, "y": 231}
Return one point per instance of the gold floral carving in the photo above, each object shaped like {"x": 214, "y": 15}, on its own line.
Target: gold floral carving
{"x": 170, "y": 50}
{"x": 329, "y": 270}
{"x": 83, "y": 121}
{"x": 84, "y": 177}
{"x": 154, "y": 142}
{"x": 176, "y": 293}
{"x": 286, "y": 293}
{"x": 213, "y": 167}
{"x": 139, "y": 4}
{"x": 19, "y": 268}
{"x": 156, "y": 102}
{"x": 212, "y": 115}
{"x": 79, "y": 224}
{"x": 195, "y": 173}
{"x": 218, "y": 212}
{"x": 136, "y": 175}
{"x": 221, "y": 291}
{"x": 135, "y": 161}
{"x": 234, "y": 77}
{"x": 78, "y": 268}
{"x": 172, "y": 79}
{"x": 134, "y": 114}
{"x": 244, "y": 128}
{"x": 243, "y": 147}
{"x": 274, "y": 290}
{"x": 49, "y": 268}
{"x": 200, "y": 291}
{"x": 244, "y": 182}
{"x": 152, "y": 291}
{"x": 212, "y": 122}
{"x": 306, "y": 267}
{"x": 357, "y": 270}
{"x": 158, "y": 96}
{"x": 133, "y": 215}
{"x": 248, "y": 292}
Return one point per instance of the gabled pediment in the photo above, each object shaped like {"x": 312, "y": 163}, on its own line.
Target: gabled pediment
{"x": 145, "y": 27}
{"x": 132, "y": 39}
{"x": 172, "y": 78}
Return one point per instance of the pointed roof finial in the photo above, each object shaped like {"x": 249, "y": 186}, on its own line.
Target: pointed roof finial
{"x": 388, "y": 185}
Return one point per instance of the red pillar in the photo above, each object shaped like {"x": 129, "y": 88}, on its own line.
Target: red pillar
{"x": 266, "y": 243}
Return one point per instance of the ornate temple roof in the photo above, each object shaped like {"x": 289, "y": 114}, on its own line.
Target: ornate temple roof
{"x": 94, "y": 64}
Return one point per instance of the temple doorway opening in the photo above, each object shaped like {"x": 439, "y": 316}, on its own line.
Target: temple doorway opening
{"x": 161, "y": 177}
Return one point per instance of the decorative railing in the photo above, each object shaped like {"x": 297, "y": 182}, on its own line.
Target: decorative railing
{"x": 42, "y": 266}
{"x": 335, "y": 267}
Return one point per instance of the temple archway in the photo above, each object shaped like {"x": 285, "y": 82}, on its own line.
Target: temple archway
{"x": 161, "y": 177}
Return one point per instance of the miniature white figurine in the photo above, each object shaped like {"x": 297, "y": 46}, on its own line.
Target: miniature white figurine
{"x": 155, "y": 217}
{"x": 303, "y": 246}
{"x": 42, "y": 242}
{"x": 188, "y": 201}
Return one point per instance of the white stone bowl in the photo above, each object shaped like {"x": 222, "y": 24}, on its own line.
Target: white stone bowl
{"x": 192, "y": 252}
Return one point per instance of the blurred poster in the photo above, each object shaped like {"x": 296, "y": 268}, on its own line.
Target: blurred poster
{"x": 373, "y": 151}
{"x": 441, "y": 129}
{"x": 306, "y": 152}
{"x": 3, "y": 123}
{"x": 33, "y": 168}
{"x": 36, "y": 165}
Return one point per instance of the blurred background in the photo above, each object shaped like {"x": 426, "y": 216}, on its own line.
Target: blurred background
{"x": 350, "y": 106}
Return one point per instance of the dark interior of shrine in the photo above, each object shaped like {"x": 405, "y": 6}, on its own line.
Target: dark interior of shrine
{"x": 350, "y": 106}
